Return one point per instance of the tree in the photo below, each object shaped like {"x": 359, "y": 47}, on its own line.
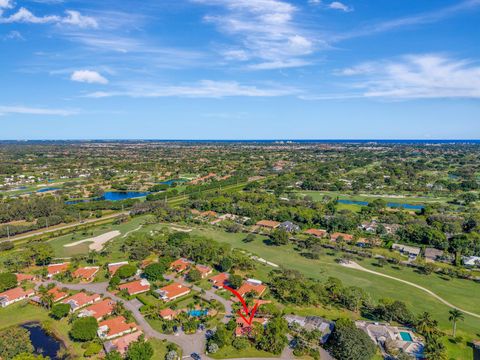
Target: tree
{"x": 84, "y": 329}
{"x": 14, "y": 341}
{"x": 59, "y": 311}
{"x": 235, "y": 281}
{"x": 93, "y": 348}
{"x": 225, "y": 264}
{"x": 126, "y": 271}
{"x": 154, "y": 272}
{"x": 426, "y": 325}
{"x": 139, "y": 350}
{"x": 455, "y": 315}
{"x": 249, "y": 238}
{"x": 212, "y": 347}
{"x": 434, "y": 349}
{"x": 27, "y": 356}
{"x": 7, "y": 281}
{"x": 279, "y": 237}
{"x": 171, "y": 355}
{"x": 113, "y": 355}
{"x": 349, "y": 343}
{"x": 194, "y": 275}
{"x": 274, "y": 338}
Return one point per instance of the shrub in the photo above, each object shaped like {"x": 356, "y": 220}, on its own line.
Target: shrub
{"x": 84, "y": 329}
{"x": 126, "y": 271}
{"x": 59, "y": 311}
{"x": 7, "y": 281}
{"x": 93, "y": 348}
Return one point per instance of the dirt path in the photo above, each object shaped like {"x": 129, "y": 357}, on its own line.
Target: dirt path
{"x": 97, "y": 242}
{"x": 354, "y": 265}
{"x": 131, "y": 231}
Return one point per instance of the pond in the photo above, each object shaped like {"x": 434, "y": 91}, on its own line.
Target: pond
{"x": 43, "y": 343}
{"x": 391, "y": 204}
{"x": 173, "y": 181}
{"x": 122, "y": 195}
{"x": 47, "y": 189}
{"x": 111, "y": 196}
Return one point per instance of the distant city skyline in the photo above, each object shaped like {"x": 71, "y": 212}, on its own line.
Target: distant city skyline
{"x": 239, "y": 69}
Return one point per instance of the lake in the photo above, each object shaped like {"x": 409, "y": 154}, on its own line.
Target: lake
{"x": 111, "y": 196}
{"x": 47, "y": 189}
{"x": 43, "y": 343}
{"x": 390, "y": 204}
{"x": 173, "y": 181}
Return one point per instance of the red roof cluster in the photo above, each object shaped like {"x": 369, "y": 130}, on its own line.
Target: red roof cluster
{"x": 135, "y": 287}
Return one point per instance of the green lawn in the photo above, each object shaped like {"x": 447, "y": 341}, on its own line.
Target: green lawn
{"x": 22, "y": 313}
{"x": 160, "y": 349}
{"x": 460, "y": 292}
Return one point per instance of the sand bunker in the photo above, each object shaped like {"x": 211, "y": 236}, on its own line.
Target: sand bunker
{"x": 97, "y": 242}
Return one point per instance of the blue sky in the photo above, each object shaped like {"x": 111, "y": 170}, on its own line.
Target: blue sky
{"x": 239, "y": 69}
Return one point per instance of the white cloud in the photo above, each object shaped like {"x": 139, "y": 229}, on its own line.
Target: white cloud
{"x": 88, "y": 76}
{"x": 263, "y": 30}
{"x": 24, "y": 110}
{"x": 6, "y": 4}
{"x": 337, "y": 5}
{"x": 202, "y": 89}
{"x": 13, "y": 35}
{"x": 73, "y": 18}
{"x": 417, "y": 77}
{"x": 77, "y": 19}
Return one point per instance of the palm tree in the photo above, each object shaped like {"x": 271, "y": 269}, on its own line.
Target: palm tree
{"x": 426, "y": 325}
{"x": 47, "y": 300}
{"x": 455, "y": 315}
{"x": 435, "y": 350}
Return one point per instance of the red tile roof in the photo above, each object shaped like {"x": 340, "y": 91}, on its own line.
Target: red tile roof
{"x": 204, "y": 270}
{"x": 268, "y": 224}
{"x": 24, "y": 277}
{"x": 113, "y": 267}
{"x": 249, "y": 287}
{"x": 117, "y": 326}
{"x": 16, "y": 293}
{"x": 316, "y": 232}
{"x": 180, "y": 265}
{"x": 81, "y": 299}
{"x": 135, "y": 287}
{"x": 220, "y": 280}
{"x": 54, "y": 269}
{"x": 100, "y": 309}
{"x": 122, "y": 343}
{"x": 86, "y": 273}
{"x": 174, "y": 290}
{"x": 346, "y": 237}
{"x": 57, "y": 294}
{"x": 168, "y": 313}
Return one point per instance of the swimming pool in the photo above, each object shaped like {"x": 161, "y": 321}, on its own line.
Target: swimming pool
{"x": 406, "y": 336}
{"x": 198, "y": 313}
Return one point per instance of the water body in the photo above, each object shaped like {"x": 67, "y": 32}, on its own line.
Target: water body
{"x": 173, "y": 181}
{"x": 111, "y": 196}
{"x": 391, "y": 205}
{"x": 43, "y": 343}
{"x": 47, "y": 189}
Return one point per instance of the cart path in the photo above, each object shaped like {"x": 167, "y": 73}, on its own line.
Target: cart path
{"x": 354, "y": 265}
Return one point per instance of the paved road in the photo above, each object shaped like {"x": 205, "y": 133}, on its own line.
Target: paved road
{"x": 354, "y": 265}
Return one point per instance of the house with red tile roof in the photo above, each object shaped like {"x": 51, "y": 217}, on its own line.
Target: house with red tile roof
{"x": 115, "y": 327}
{"x": 24, "y": 277}
{"x": 172, "y": 291}
{"x": 319, "y": 233}
{"x": 81, "y": 300}
{"x": 55, "y": 269}
{"x": 98, "y": 310}
{"x": 14, "y": 295}
{"x": 86, "y": 273}
{"x": 136, "y": 287}
{"x": 244, "y": 329}
{"x": 168, "y": 314}
{"x": 219, "y": 280}
{"x": 113, "y": 267}
{"x": 180, "y": 265}
{"x": 204, "y": 270}
{"x": 268, "y": 224}
{"x": 122, "y": 343}
{"x": 57, "y": 294}
{"x": 254, "y": 286}
{"x": 336, "y": 236}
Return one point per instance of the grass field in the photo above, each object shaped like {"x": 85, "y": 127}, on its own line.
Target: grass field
{"x": 318, "y": 195}
{"x": 22, "y": 313}
{"x": 459, "y": 292}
